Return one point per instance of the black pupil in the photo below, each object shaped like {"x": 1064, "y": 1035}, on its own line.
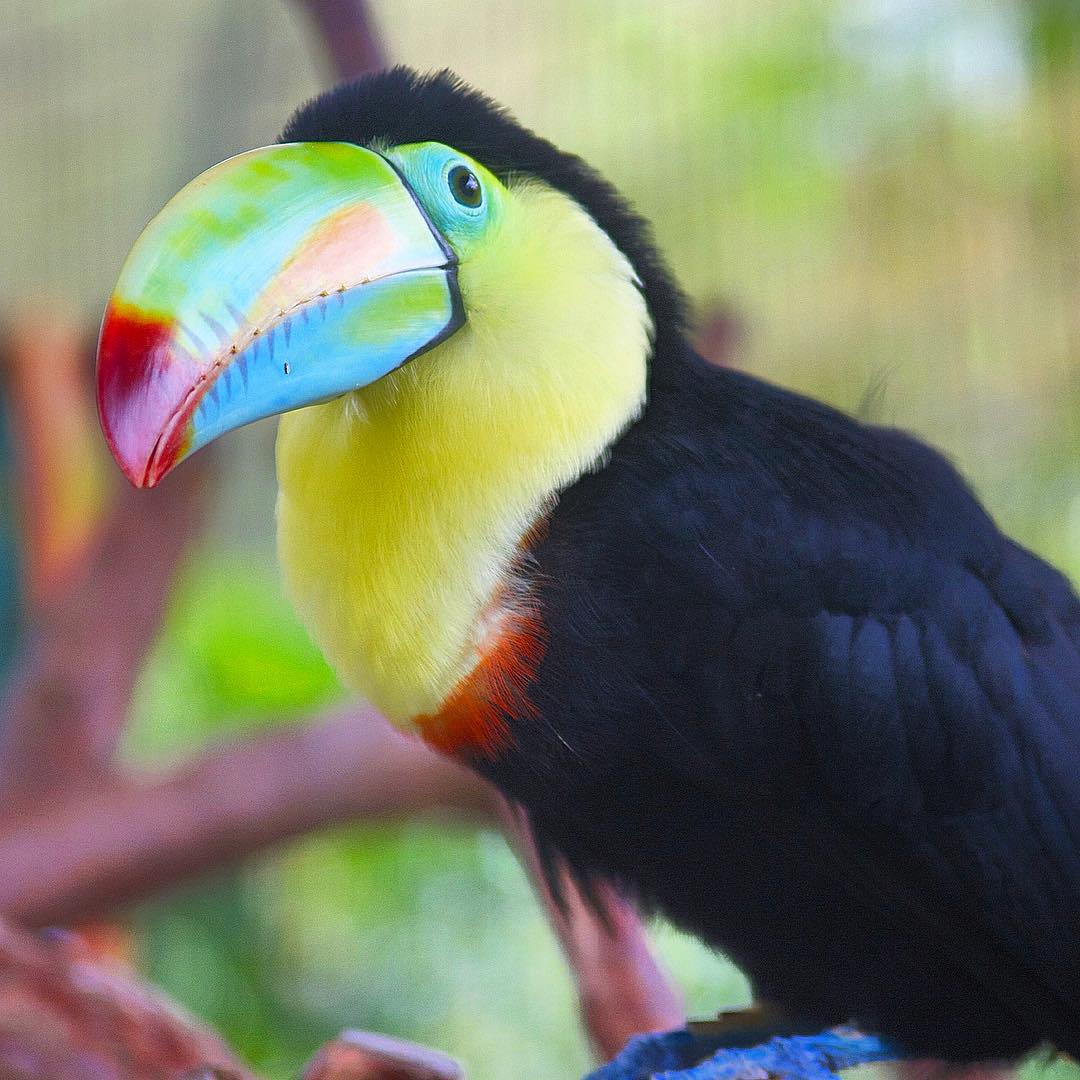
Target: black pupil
{"x": 465, "y": 186}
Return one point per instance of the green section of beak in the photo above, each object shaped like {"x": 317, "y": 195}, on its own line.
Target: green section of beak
{"x": 277, "y": 279}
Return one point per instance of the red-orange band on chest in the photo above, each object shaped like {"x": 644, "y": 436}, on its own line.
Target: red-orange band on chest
{"x": 473, "y": 720}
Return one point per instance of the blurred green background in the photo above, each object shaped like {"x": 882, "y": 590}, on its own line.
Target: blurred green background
{"x": 883, "y": 194}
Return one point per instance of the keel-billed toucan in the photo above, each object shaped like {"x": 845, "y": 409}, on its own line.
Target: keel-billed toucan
{"x": 771, "y": 669}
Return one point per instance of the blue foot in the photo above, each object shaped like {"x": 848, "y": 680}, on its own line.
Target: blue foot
{"x": 797, "y": 1057}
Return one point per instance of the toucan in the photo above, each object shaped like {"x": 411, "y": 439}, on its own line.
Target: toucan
{"x": 768, "y": 668}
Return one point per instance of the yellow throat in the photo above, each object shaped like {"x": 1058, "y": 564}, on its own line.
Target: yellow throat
{"x": 402, "y": 506}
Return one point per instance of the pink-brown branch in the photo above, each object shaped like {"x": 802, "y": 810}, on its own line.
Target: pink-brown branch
{"x": 622, "y": 991}
{"x": 91, "y": 850}
{"x": 348, "y": 34}
{"x": 96, "y": 603}
{"x": 360, "y": 1055}
{"x": 64, "y": 1016}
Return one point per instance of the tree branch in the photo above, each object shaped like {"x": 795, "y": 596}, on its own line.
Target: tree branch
{"x": 347, "y": 33}
{"x": 622, "y": 991}
{"x": 359, "y": 1055}
{"x": 88, "y": 851}
{"x": 97, "y": 601}
{"x": 92, "y": 850}
{"x": 62, "y": 1015}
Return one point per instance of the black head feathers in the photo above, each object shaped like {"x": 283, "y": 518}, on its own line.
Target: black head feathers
{"x": 400, "y": 106}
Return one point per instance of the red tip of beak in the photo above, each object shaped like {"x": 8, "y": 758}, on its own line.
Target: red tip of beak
{"x": 142, "y": 387}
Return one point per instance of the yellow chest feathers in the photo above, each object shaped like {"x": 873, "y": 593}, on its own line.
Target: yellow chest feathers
{"x": 402, "y": 506}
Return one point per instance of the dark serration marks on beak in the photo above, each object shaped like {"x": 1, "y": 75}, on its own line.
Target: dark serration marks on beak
{"x": 218, "y": 402}
{"x": 226, "y": 380}
{"x": 201, "y": 347}
{"x": 223, "y": 335}
{"x": 255, "y": 359}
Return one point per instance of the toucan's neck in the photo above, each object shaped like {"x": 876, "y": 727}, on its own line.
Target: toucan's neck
{"x": 404, "y": 508}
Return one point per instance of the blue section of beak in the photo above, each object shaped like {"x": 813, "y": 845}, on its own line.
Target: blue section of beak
{"x": 326, "y": 348}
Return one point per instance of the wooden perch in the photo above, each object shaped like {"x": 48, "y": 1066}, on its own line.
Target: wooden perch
{"x": 67, "y": 1016}
{"x": 359, "y": 1055}
{"x": 90, "y": 850}
{"x": 63, "y": 1017}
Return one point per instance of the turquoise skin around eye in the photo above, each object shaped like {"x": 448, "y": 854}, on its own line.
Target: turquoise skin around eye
{"x": 426, "y": 168}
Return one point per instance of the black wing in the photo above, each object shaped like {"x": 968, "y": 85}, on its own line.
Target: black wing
{"x": 928, "y": 671}
{"x": 771, "y": 622}
{"x": 943, "y": 746}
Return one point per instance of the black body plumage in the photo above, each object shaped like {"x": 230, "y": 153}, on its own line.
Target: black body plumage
{"x": 799, "y": 692}
{"x": 803, "y": 697}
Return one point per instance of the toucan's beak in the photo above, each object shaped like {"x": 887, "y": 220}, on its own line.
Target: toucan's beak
{"x": 279, "y": 278}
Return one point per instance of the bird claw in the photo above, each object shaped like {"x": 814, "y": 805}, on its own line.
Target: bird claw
{"x": 675, "y": 1055}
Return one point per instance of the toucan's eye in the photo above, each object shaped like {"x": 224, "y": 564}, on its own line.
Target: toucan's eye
{"x": 465, "y": 187}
